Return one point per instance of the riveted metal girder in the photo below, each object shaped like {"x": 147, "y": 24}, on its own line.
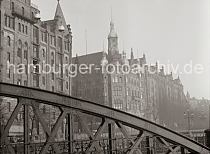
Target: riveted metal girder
{"x": 93, "y": 138}
{"x": 43, "y": 123}
{"x": 102, "y": 111}
{"x": 135, "y": 144}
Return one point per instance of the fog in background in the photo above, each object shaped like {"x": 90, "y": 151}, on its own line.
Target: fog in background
{"x": 170, "y": 31}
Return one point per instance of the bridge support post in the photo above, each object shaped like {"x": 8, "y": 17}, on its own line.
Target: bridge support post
{"x": 26, "y": 128}
{"x": 70, "y": 132}
{"x": 111, "y": 136}
{"x": 1, "y": 126}
{"x": 148, "y": 145}
{"x": 182, "y": 150}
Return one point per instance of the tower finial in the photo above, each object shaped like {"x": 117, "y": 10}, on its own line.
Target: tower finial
{"x": 86, "y": 41}
{"x": 58, "y": 1}
{"x": 111, "y": 15}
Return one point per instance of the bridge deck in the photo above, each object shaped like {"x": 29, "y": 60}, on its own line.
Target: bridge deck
{"x": 101, "y": 111}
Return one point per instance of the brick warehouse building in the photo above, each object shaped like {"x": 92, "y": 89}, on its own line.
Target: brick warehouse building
{"x": 157, "y": 96}
{"x": 25, "y": 39}
{"x": 118, "y": 90}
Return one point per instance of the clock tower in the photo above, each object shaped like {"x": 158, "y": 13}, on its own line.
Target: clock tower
{"x": 113, "y": 51}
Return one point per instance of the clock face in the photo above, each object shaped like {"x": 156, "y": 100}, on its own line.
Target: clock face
{"x": 114, "y": 43}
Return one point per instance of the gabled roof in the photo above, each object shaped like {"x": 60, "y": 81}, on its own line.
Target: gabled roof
{"x": 93, "y": 58}
{"x": 59, "y": 16}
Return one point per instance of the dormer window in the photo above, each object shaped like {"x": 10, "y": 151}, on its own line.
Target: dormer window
{"x": 61, "y": 28}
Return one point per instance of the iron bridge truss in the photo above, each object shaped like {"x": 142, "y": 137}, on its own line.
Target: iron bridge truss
{"x": 173, "y": 141}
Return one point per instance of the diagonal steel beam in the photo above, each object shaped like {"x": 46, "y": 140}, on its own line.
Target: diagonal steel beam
{"x": 176, "y": 148}
{"x": 173, "y": 151}
{"x": 54, "y": 132}
{"x": 124, "y": 132}
{"x": 138, "y": 140}
{"x": 87, "y": 130}
{"x": 10, "y": 148}
{"x": 128, "y": 137}
{"x": 46, "y": 129}
{"x": 96, "y": 136}
{"x": 10, "y": 122}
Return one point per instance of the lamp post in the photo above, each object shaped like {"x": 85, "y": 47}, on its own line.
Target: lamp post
{"x": 189, "y": 116}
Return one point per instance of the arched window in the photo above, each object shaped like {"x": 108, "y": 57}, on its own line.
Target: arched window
{"x": 43, "y": 53}
{"x": 19, "y": 27}
{"x": 52, "y": 58}
{"x": 12, "y": 6}
{"x": 19, "y": 52}
{"x": 52, "y": 54}
{"x": 26, "y": 51}
{"x": 66, "y": 59}
{"x": 67, "y": 85}
{"x": 8, "y": 41}
{"x": 23, "y": 11}
{"x": 67, "y": 73}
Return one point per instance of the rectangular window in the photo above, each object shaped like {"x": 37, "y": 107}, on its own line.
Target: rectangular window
{"x": 8, "y": 56}
{"x": 12, "y": 20}
{"x": 35, "y": 34}
{"x": 23, "y": 28}
{"x": 18, "y": 82}
{"x": 19, "y": 53}
{"x": 53, "y": 76}
{"x": 35, "y": 52}
{"x": 52, "y": 40}
{"x": 35, "y": 80}
{"x": 25, "y": 54}
{"x": 60, "y": 85}
{"x": 25, "y": 83}
{"x": 43, "y": 80}
{"x": 5, "y": 20}
{"x": 35, "y": 63}
{"x": 26, "y": 29}
{"x": 59, "y": 44}
{"x": 44, "y": 37}
{"x": 9, "y": 74}
{"x": 19, "y": 27}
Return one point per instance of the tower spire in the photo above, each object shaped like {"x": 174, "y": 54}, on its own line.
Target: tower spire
{"x": 112, "y": 28}
{"x": 111, "y": 15}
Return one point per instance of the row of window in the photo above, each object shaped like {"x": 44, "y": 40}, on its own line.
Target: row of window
{"x": 117, "y": 79}
{"x": 20, "y": 47}
{"x": 133, "y": 81}
{"x": 19, "y": 82}
{"x": 134, "y": 93}
{"x": 44, "y": 38}
{"x": 23, "y": 28}
{"x": 118, "y": 104}
{"x": 117, "y": 91}
{"x": 9, "y": 22}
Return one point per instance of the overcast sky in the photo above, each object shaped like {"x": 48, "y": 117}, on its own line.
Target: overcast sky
{"x": 169, "y": 31}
